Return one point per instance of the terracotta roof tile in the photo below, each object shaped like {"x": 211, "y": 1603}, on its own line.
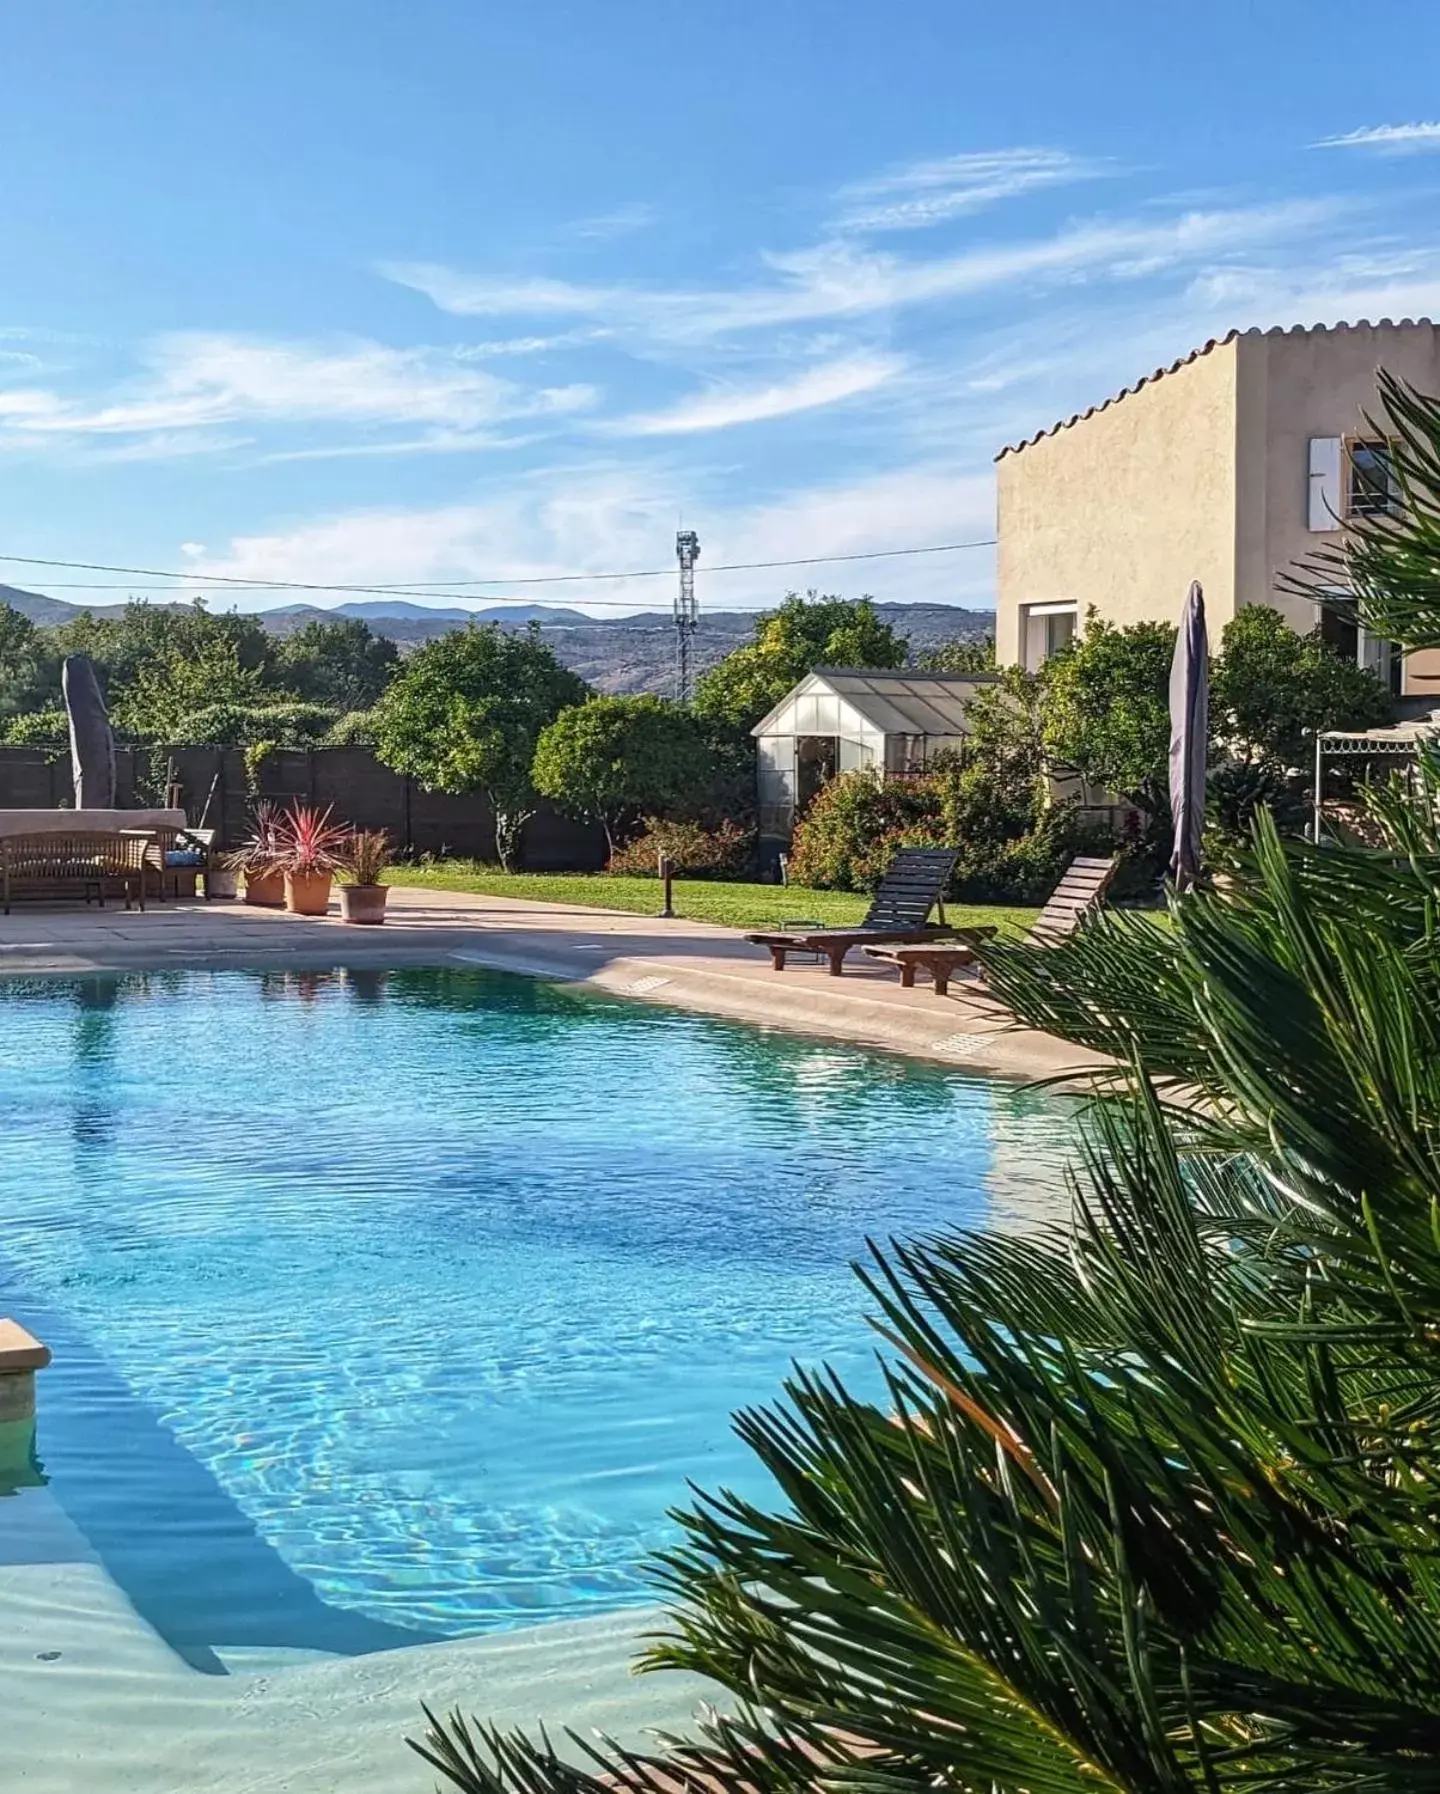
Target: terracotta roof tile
{"x": 1215, "y": 342}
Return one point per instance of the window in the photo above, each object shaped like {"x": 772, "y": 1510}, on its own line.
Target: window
{"x": 1372, "y": 488}
{"x": 1045, "y": 630}
{"x": 1353, "y": 642}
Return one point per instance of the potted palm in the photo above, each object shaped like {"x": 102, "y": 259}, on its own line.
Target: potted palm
{"x": 257, "y": 859}
{"x": 311, "y": 848}
{"x": 362, "y": 896}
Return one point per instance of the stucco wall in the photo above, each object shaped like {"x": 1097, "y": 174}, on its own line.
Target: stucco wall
{"x": 1308, "y": 384}
{"x": 1125, "y": 508}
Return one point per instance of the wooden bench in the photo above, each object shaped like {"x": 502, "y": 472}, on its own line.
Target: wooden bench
{"x": 938, "y": 958}
{"x": 61, "y": 864}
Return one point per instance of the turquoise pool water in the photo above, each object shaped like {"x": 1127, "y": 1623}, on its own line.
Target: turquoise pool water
{"x": 401, "y": 1306}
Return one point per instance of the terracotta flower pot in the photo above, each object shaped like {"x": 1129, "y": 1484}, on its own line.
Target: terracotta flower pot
{"x": 307, "y": 893}
{"x": 266, "y": 888}
{"x": 363, "y": 903}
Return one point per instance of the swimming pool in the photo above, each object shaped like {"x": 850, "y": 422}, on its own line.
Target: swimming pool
{"x": 391, "y": 1307}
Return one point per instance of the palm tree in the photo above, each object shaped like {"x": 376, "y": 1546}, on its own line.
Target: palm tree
{"x": 1153, "y": 1502}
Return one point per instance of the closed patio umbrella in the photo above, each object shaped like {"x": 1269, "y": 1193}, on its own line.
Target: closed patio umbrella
{"x": 1189, "y": 737}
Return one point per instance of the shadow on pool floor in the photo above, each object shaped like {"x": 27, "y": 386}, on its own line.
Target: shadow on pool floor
{"x": 184, "y": 1555}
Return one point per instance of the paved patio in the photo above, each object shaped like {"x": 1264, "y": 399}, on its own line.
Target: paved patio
{"x": 692, "y": 965}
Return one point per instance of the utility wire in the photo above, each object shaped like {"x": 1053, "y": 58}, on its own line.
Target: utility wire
{"x": 445, "y": 588}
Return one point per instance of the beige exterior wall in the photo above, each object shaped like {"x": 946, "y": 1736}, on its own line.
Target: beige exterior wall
{"x": 1307, "y": 384}
{"x": 1123, "y": 509}
{"x": 1200, "y": 474}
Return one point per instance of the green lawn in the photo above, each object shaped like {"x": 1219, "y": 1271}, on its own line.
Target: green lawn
{"x": 734, "y": 905}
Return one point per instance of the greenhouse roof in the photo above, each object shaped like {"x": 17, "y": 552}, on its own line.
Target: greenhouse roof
{"x": 892, "y": 703}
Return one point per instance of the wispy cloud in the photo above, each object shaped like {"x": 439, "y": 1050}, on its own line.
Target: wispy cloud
{"x": 503, "y": 347}
{"x": 1391, "y": 140}
{"x": 928, "y": 193}
{"x": 837, "y": 279}
{"x": 723, "y": 407}
{"x": 622, "y": 221}
{"x": 195, "y": 382}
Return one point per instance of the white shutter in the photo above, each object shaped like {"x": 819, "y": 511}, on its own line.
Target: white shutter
{"x": 1326, "y": 500}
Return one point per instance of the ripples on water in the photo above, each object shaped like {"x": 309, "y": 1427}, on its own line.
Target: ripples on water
{"x": 402, "y": 1305}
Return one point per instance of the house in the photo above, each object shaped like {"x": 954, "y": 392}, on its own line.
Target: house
{"x": 840, "y": 719}
{"x": 1227, "y": 467}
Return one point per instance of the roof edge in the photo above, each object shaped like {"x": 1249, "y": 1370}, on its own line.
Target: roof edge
{"x": 1206, "y": 348}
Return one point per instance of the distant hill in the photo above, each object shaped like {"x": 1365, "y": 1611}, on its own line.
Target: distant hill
{"x": 37, "y": 608}
{"x": 615, "y": 654}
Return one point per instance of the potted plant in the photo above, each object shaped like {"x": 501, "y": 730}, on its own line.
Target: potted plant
{"x": 362, "y": 896}
{"x": 311, "y": 847}
{"x": 257, "y": 859}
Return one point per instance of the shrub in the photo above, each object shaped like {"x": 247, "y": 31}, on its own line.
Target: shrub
{"x": 836, "y": 841}
{"x": 356, "y": 729}
{"x": 722, "y": 852}
{"x": 1013, "y": 844}
{"x": 285, "y": 723}
{"x": 48, "y": 728}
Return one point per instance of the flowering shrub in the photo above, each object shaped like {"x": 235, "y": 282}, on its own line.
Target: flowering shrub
{"x": 1013, "y": 843}
{"x": 721, "y": 852}
{"x": 838, "y": 842}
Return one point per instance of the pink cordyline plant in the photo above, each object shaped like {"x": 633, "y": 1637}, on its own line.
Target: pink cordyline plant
{"x": 309, "y": 844}
{"x": 259, "y": 853}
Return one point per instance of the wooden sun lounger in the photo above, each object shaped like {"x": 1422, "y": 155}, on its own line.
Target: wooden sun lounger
{"x": 913, "y": 886}
{"x": 938, "y": 958}
{"x": 1082, "y": 889}
{"x": 81, "y": 862}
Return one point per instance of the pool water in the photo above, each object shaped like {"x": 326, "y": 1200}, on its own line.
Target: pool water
{"x": 400, "y": 1306}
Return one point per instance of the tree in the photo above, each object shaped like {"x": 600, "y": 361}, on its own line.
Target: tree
{"x": 801, "y": 634}
{"x": 617, "y": 757}
{"x": 1149, "y": 1502}
{"x": 182, "y": 679}
{"x": 1107, "y": 709}
{"x": 958, "y": 657}
{"x": 126, "y": 646}
{"x": 28, "y": 671}
{"x": 1005, "y": 721}
{"x": 1271, "y": 689}
{"x": 340, "y": 665}
{"x": 464, "y": 714}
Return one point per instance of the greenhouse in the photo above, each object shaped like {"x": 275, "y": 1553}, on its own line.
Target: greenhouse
{"x": 837, "y": 720}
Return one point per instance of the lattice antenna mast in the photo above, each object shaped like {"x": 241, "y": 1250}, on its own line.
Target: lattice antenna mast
{"x": 687, "y": 611}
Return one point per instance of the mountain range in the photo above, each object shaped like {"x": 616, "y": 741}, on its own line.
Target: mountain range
{"x": 633, "y": 653}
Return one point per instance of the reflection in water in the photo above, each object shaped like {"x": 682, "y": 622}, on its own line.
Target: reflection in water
{"x": 1032, "y": 1136}
{"x": 93, "y": 1117}
{"x": 365, "y": 986}
{"x": 307, "y": 986}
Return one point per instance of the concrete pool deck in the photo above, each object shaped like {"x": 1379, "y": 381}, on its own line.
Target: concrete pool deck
{"x": 690, "y": 965}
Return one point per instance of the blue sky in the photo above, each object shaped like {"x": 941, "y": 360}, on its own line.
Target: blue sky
{"x": 372, "y": 293}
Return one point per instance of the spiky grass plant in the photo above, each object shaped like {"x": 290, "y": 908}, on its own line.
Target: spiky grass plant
{"x": 1152, "y": 1502}
{"x": 367, "y": 854}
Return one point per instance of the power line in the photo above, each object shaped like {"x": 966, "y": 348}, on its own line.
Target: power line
{"x": 446, "y": 588}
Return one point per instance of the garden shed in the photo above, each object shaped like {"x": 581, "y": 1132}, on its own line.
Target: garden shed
{"x": 840, "y": 719}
